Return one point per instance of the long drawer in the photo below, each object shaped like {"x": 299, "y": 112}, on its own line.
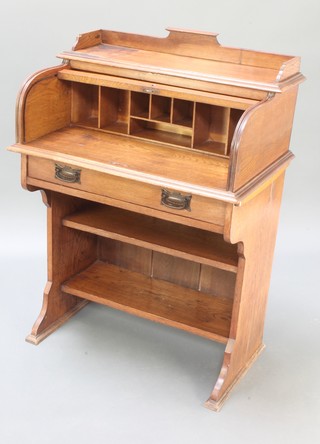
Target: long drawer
{"x": 154, "y": 197}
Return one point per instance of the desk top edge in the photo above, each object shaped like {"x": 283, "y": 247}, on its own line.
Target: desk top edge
{"x": 201, "y": 52}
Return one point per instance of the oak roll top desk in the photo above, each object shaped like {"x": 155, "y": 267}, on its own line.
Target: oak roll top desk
{"x": 161, "y": 162}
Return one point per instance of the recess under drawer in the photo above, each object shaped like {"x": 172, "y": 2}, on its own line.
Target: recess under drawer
{"x": 143, "y": 194}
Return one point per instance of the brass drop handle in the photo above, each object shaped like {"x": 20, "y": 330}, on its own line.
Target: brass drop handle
{"x": 67, "y": 174}
{"x": 175, "y": 200}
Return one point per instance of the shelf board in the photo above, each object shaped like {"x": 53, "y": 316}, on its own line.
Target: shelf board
{"x": 141, "y": 115}
{"x": 90, "y": 122}
{"x": 163, "y": 126}
{"x": 161, "y": 118}
{"x": 153, "y": 299}
{"x": 166, "y": 237}
{"x": 163, "y": 137}
{"x": 183, "y": 122}
{"x": 116, "y": 127}
{"x": 212, "y": 147}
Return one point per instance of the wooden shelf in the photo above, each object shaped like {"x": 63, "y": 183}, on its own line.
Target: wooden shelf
{"x": 213, "y": 147}
{"x": 168, "y": 120}
{"x": 160, "y": 118}
{"x": 90, "y": 122}
{"x": 160, "y": 108}
{"x": 141, "y": 115}
{"x": 161, "y": 124}
{"x": 183, "y": 112}
{"x": 187, "y": 122}
{"x": 140, "y": 104}
{"x": 116, "y": 127}
{"x": 163, "y": 236}
{"x": 163, "y": 137}
{"x": 153, "y": 299}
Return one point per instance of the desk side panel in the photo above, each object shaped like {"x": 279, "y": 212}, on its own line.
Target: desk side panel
{"x": 43, "y": 105}
{"x": 262, "y": 137}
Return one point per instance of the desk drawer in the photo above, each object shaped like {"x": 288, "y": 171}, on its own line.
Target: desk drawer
{"x": 131, "y": 191}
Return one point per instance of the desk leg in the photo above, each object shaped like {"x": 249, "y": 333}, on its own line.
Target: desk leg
{"x": 253, "y": 226}
{"x": 69, "y": 251}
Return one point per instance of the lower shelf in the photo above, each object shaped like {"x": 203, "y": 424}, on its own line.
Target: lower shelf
{"x": 157, "y": 300}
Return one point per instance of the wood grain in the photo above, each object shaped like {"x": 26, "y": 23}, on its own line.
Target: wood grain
{"x": 153, "y": 299}
{"x": 197, "y": 44}
{"x": 139, "y": 115}
{"x": 176, "y": 270}
{"x": 124, "y": 255}
{"x": 27, "y": 86}
{"x": 262, "y": 137}
{"x": 171, "y": 56}
{"x": 217, "y": 280}
{"x": 139, "y": 193}
{"x": 36, "y": 184}
{"x": 159, "y": 235}
{"x": 69, "y": 251}
{"x": 47, "y": 108}
{"x": 253, "y": 226}
{"x": 93, "y": 78}
{"x": 84, "y": 104}
{"x": 108, "y": 152}
{"x": 203, "y": 86}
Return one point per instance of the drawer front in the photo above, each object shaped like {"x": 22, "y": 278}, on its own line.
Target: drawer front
{"x": 134, "y": 192}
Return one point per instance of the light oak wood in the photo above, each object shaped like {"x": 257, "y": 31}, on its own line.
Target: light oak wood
{"x": 116, "y": 287}
{"x": 35, "y": 337}
{"x": 113, "y": 109}
{"x": 129, "y": 256}
{"x": 176, "y": 270}
{"x": 162, "y": 236}
{"x": 114, "y": 153}
{"x": 84, "y": 105}
{"x": 217, "y": 280}
{"x": 164, "y": 90}
{"x": 224, "y": 66}
{"x": 254, "y": 228}
{"x": 127, "y": 190}
{"x": 78, "y": 252}
{"x": 196, "y": 44}
{"x": 43, "y": 122}
{"x": 172, "y": 81}
{"x": 161, "y": 162}
{"x": 261, "y": 138}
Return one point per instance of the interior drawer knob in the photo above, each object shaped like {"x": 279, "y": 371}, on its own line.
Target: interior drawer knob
{"x": 175, "y": 200}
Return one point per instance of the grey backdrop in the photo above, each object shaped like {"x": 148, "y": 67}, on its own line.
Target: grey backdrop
{"x": 109, "y": 377}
